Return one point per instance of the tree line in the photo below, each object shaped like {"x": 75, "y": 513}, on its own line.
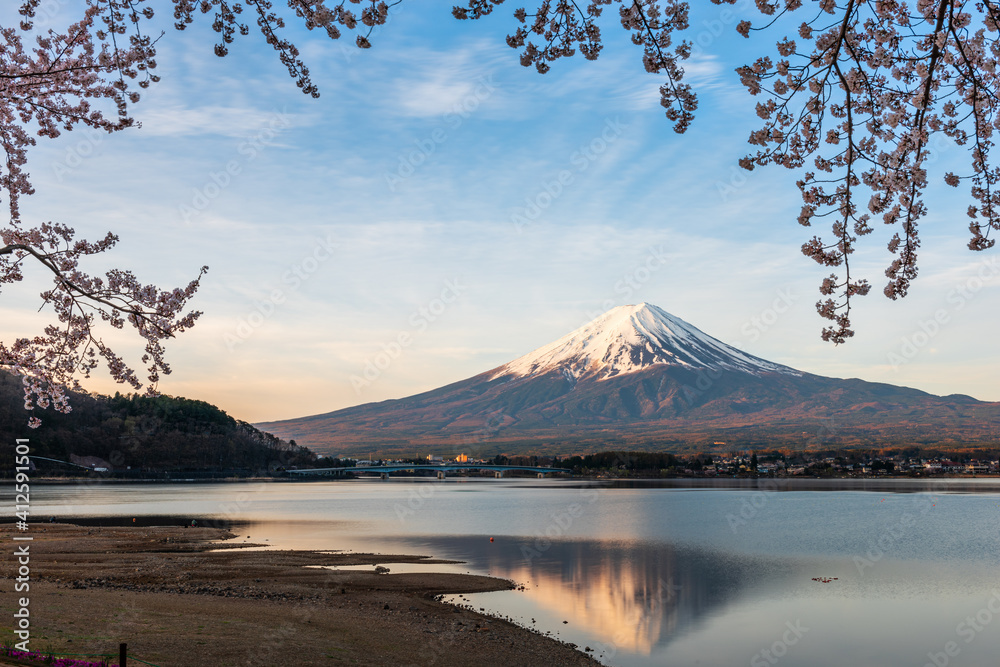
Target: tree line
{"x": 144, "y": 433}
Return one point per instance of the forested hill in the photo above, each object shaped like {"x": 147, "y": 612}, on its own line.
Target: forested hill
{"x": 151, "y": 434}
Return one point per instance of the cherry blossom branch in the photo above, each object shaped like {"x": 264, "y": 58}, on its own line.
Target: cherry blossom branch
{"x": 50, "y": 363}
{"x": 84, "y": 75}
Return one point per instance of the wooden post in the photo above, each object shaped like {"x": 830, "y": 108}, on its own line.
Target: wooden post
{"x": 122, "y": 654}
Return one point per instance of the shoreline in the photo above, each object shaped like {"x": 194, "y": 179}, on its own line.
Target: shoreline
{"x": 183, "y": 596}
{"x": 956, "y": 483}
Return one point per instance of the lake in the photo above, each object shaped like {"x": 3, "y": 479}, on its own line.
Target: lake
{"x": 643, "y": 575}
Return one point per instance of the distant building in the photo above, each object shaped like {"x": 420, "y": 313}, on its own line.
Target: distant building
{"x": 434, "y": 459}
{"x": 951, "y": 466}
{"x": 462, "y": 458}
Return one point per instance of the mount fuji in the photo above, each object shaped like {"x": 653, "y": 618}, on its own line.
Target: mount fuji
{"x": 638, "y": 377}
{"x": 633, "y": 338}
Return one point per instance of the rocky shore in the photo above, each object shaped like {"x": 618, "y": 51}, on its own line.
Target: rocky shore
{"x": 180, "y": 598}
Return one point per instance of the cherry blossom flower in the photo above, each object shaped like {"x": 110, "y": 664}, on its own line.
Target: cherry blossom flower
{"x": 852, "y": 107}
{"x": 90, "y": 74}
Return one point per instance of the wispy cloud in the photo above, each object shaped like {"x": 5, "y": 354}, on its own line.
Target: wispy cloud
{"x": 177, "y": 120}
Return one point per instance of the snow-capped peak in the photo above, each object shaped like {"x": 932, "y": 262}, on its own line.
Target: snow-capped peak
{"x": 631, "y": 338}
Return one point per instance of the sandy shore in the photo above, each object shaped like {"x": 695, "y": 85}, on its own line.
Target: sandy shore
{"x": 178, "y": 602}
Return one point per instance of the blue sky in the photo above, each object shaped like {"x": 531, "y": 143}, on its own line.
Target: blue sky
{"x": 389, "y": 217}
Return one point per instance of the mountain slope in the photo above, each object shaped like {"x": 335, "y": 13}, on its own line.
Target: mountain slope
{"x": 640, "y": 377}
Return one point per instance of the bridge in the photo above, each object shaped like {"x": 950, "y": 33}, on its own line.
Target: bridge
{"x": 441, "y": 469}
{"x": 45, "y": 458}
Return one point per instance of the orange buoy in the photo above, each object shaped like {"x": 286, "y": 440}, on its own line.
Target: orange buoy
{"x": 491, "y": 539}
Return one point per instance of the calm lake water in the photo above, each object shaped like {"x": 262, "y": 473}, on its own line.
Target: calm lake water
{"x": 653, "y": 576}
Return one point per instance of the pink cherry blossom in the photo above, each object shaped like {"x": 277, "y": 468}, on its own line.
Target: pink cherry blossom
{"x": 852, "y": 107}
{"x": 90, "y": 74}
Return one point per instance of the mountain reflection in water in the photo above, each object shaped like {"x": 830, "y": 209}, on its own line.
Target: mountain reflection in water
{"x": 631, "y": 596}
{"x": 637, "y": 603}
